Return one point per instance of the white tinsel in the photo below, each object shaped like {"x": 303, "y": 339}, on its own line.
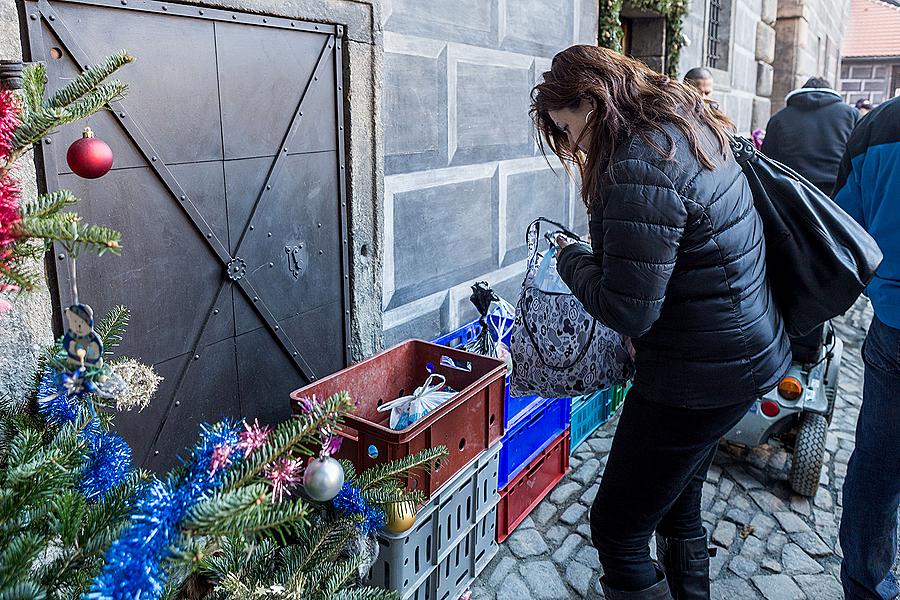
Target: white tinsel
{"x": 142, "y": 382}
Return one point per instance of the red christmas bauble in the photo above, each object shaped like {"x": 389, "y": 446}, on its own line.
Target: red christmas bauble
{"x": 89, "y": 157}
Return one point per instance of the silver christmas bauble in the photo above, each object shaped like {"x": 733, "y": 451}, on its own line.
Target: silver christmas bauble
{"x": 323, "y": 479}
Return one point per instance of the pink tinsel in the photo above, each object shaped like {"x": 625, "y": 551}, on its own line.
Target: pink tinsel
{"x": 221, "y": 457}
{"x": 9, "y": 120}
{"x": 253, "y": 437}
{"x": 9, "y": 210}
{"x": 282, "y": 473}
{"x": 758, "y": 136}
{"x": 4, "y": 304}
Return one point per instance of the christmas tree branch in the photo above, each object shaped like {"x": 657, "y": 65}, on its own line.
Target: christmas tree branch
{"x": 396, "y": 471}
{"x": 288, "y": 437}
{"x": 248, "y": 511}
{"x": 88, "y": 80}
{"x": 46, "y": 205}
{"x": 112, "y": 327}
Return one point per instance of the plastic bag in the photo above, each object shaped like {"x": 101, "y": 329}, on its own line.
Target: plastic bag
{"x": 496, "y": 319}
{"x": 408, "y": 409}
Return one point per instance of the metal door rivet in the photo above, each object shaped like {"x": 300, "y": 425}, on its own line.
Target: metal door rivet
{"x": 301, "y": 245}
{"x": 317, "y": 26}
{"x": 340, "y": 88}
{"x": 216, "y": 311}
{"x": 268, "y": 187}
{"x": 292, "y": 23}
{"x": 234, "y": 16}
{"x": 319, "y": 224}
{"x": 270, "y": 234}
{"x": 121, "y": 114}
{"x": 196, "y": 357}
{"x": 316, "y": 78}
{"x": 346, "y": 277}
{"x": 301, "y": 113}
{"x": 209, "y": 235}
{"x": 256, "y": 298}
{"x": 294, "y": 354}
{"x": 321, "y": 252}
{"x": 156, "y": 453}
{"x": 343, "y": 204}
{"x": 201, "y": 12}
{"x": 34, "y": 17}
{"x": 165, "y": 7}
{"x": 277, "y": 328}
{"x": 252, "y": 227}
{"x": 62, "y": 256}
{"x": 52, "y": 17}
{"x": 153, "y": 158}
{"x": 183, "y": 198}
{"x": 178, "y": 403}
{"x": 342, "y": 167}
{"x": 47, "y": 140}
{"x": 346, "y": 312}
{"x": 124, "y": 2}
{"x": 285, "y": 149}
{"x": 265, "y": 20}
{"x": 271, "y": 265}
{"x": 341, "y": 127}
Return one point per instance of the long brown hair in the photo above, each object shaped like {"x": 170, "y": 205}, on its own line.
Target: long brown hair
{"x": 630, "y": 100}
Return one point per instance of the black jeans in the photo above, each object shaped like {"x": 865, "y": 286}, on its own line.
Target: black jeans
{"x": 653, "y": 482}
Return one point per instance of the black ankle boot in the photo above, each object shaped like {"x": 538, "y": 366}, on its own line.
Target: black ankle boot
{"x": 658, "y": 591}
{"x": 686, "y": 563}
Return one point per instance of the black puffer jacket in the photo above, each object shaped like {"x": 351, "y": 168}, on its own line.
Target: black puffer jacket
{"x": 678, "y": 264}
{"x": 810, "y": 134}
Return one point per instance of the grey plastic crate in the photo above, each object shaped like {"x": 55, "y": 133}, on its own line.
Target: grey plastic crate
{"x": 462, "y": 564}
{"x": 407, "y": 563}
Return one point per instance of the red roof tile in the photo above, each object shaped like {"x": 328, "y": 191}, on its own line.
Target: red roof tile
{"x": 873, "y": 30}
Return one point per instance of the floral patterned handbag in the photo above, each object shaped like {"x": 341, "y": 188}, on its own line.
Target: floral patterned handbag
{"x": 558, "y": 349}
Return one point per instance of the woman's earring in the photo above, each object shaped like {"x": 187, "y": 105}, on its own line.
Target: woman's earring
{"x": 588, "y": 115}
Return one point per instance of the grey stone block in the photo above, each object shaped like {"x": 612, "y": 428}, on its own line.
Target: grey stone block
{"x": 563, "y": 492}
{"x": 770, "y": 564}
{"x": 579, "y": 577}
{"x": 823, "y": 499}
{"x": 812, "y": 544}
{"x": 529, "y": 195}
{"x": 742, "y": 566}
{"x": 492, "y": 119}
{"x": 796, "y": 561}
{"x": 537, "y": 27}
{"x": 765, "y": 43}
{"x": 821, "y": 587}
{"x": 513, "y": 588}
{"x": 753, "y": 549}
{"x": 570, "y": 545}
{"x": 762, "y": 525}
{"x": 767, "y": 501}
{"x": 791, "y": 523}
{"x": 800, "y": 505}
{"x": 544, "y": 581}
{"x": 415, "y": 91}
{"x": 731, "y": 588}
{"x": 764, "y": 79}
{"x": 501, "y": 571}
{"x": 588, "y": 556}
{"x": 556, "y": 534}
{"x": 573, "y": 514}
{"x": 466, "y": 21}
{"x": 525, "y": 543}
{"x": 587, "y": 472}
{"x": 543, "y": 513}
{"x": 762, "y": 109}
{"x": 769, "y": 11}
{"x": 436, "y": 245}
{"x": 724, "y": 534}
{"x": 590, "y": 494}
{"x": 778, "y": 587}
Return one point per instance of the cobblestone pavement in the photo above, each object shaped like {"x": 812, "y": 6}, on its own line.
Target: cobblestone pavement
{"x": 772, "y": 544}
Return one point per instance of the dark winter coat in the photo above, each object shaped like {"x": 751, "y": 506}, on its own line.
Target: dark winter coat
{"x": 810, "y": 134}
{"x": 678, "y": 264}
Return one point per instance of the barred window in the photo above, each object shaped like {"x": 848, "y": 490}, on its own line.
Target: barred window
{"x": 714, "y": 41}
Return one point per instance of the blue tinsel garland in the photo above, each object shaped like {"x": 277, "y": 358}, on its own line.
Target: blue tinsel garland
{"x": 133, "y": 566}
{"x": 349, "y": 502}
{"x": 109, "y": 456}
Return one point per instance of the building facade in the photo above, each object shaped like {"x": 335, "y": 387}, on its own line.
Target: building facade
{"x": 870, "y": 68}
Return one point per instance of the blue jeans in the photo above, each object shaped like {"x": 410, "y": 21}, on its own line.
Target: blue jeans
{"x": 872, "y": 487}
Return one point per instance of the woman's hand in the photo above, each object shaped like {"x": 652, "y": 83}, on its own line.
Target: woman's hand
{"x": 562, "y": 241}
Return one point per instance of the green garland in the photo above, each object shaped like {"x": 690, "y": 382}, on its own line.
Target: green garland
{"x": 672, "y": 10}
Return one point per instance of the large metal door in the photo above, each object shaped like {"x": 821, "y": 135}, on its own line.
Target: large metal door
{"x": 228, "y": 187}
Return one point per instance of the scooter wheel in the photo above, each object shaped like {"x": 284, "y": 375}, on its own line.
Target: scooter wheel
{"x": 809, "y": 454}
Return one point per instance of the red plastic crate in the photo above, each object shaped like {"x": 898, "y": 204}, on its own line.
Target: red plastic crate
{"x": 529, "y": 487}
{"x": 467, "y": 424}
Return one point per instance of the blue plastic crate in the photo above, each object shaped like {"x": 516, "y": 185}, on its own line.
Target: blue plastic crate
{"x": 531, "y": 434}
{"x": 588, "y": 413}
{"x": 514, "y": 407}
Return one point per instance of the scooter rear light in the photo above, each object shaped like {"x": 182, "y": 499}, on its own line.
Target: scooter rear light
{"x": 770, "y": 409}
{"x": 790, "y": 388}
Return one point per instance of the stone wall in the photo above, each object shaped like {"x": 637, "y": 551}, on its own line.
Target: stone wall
{"x": 744, "y": 85}
{"x": 867, "y": 78}
{"x": 809, "y": 34}
{"x": 463, "y": 175}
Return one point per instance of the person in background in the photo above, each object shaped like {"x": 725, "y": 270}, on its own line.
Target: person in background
{"x": 677, "y": 263}
{"x": 810, "y": 134}
{"x": 702, "y": 79}
{"x": 864, "y": 106}
{"x": 866, "y": 188}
